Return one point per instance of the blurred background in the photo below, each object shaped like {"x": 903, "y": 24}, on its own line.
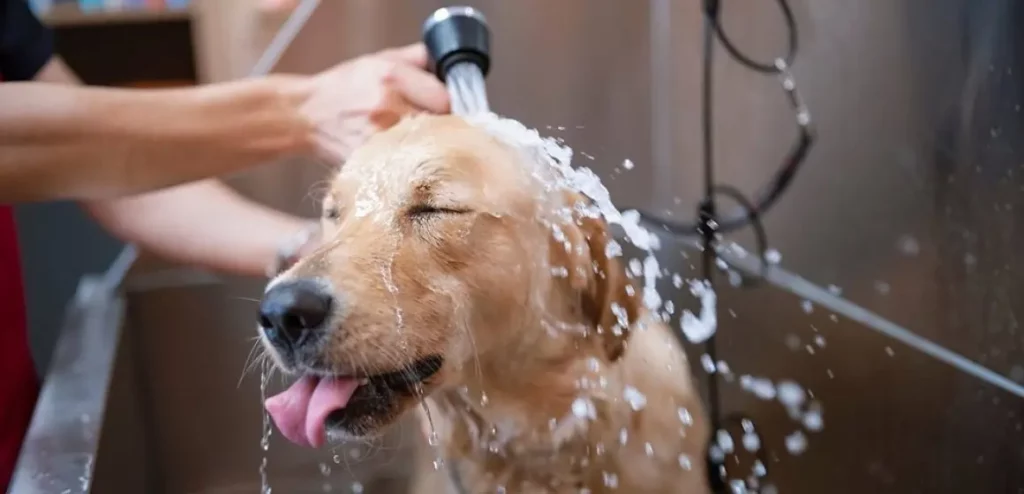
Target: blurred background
{"x": 908, "y": 206}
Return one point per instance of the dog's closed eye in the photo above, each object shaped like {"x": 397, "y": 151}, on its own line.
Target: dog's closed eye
{"x": 420, "y": 210}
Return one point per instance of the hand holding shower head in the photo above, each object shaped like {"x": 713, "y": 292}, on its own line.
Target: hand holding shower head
{"x": 459, "y": 42}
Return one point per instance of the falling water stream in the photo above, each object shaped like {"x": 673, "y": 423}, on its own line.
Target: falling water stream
{"x": 467, "y": 89}
{"x": 265, "y": 368}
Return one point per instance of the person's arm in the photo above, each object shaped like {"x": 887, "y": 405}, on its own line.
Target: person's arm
{"x": 59, "y": 141}
{"x": 204, "y": 223}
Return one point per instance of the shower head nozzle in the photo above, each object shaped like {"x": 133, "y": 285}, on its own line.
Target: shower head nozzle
{"x": 454, "y": 35}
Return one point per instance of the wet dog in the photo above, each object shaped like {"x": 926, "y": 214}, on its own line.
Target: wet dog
{"x": 456, "y": 279}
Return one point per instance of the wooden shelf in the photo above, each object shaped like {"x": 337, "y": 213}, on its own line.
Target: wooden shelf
{"x": 69, "y": 15}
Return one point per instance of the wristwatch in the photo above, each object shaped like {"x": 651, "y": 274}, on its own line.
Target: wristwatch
{"x": 293, "y": 248}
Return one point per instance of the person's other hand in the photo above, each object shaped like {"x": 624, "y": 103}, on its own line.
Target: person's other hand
{"x": 359, "y": 97}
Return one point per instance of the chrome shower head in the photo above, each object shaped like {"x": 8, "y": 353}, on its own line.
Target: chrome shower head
{"x": 455, "y": 35}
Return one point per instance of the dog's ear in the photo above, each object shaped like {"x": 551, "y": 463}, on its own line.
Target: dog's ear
{"x": 608, "y": 298}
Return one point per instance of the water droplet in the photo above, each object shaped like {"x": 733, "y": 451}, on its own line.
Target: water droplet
{"x": 908, "y": 245}
{"x": 759, "y": 469}
{"x": 707, "y": 363}
{"x": 612, "y": 249}
{"x": 725, "y": 442}
{"x": 610, "y": 480}
{"x": 772, "y": 256}
{"x": 790, "y": 394}
{"x": 835, "y": 290}
{"x": 751, "y": 442}
{"x": 356, "y": 488}
{"x": 649, "y": 449}
{"x": 584, "y": 408}
{"x": 627, "y": 164}
{"x": 807, "y": 306}
{"x": 796, "y": 443}
{"x": 685, "y": 463}
{"x": 736, "y": 486}
{"x": 889, "y": 351}
{"x": 636, "y": 268}
{"x": 813, "y": 421}
{"x": 761, "y": 387}
{"x": 715, "y": 454}
{"x": 792, "y": 342}
{"x": 637, "y": 401}
{"x": 803, "y": 117}
{"x": 723, "y": 367}
{"x": 699, "y": 328}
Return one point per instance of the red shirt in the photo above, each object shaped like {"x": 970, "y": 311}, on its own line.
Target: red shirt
{"x": 25, "y": 47}
{"x": 19, "y": 385}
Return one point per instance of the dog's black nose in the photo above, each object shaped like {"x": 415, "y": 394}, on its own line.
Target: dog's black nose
{"x": 293, "y": 311}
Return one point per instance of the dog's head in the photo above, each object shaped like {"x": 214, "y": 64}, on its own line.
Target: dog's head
{"x": 442, "y": 247}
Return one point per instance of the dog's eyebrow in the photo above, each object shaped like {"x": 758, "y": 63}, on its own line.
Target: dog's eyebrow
{"x": 423, "y": 191}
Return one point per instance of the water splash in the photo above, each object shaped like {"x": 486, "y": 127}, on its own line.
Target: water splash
{"x": 432, "y": 438}
{"x": 265, "y": 369}
{"x": 325, "y": 470}
{"x": 387, "y": 273}
{"x": 699, "y": 329}
{"x": 550, "y": 162}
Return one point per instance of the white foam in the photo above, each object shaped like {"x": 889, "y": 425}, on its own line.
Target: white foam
{"x": 552, "y": 166}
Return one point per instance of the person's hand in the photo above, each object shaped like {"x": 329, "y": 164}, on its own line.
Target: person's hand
{"x": 353, "y": 100}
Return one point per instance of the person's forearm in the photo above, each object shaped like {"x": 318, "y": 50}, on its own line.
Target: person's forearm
{"x": 59, "y": 141}
{"x": 204, "y": 224}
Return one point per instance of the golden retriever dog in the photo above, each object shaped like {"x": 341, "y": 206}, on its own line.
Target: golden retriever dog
{"x": 456, "y": 280}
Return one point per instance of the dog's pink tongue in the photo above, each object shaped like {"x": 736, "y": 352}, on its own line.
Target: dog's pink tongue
{"x": 301, "y": 411}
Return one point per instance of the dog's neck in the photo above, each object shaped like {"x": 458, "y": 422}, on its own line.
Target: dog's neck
{"x": 536, "y": 393}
